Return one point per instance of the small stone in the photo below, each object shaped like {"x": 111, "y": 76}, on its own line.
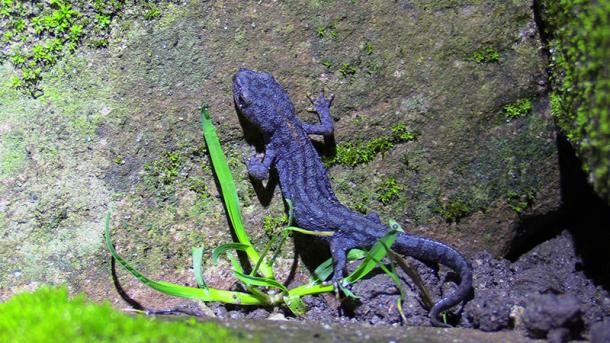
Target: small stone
{"x": 547, "y": 312}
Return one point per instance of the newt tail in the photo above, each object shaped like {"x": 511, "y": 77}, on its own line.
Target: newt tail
{"x": 430, "y": 250}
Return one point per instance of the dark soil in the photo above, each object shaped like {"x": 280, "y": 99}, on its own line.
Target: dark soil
{"x": 545, "y": 293}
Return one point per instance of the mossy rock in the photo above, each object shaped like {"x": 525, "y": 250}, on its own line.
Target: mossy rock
{"x": 579, "y": 42}
{"x": 117, "y": 128}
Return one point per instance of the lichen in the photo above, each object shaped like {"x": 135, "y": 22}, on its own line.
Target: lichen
{"x": 579, "y": 33}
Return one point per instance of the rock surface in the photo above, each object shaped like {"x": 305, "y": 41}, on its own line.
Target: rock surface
{"x": 117, "y": 129}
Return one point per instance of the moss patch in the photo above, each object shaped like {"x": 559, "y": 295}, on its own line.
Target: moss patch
{"x": 485, "y": 55}
{"x": 12, "y": 153}
{"x": 39, "y": 34}
{"x": 388, "y": 191}
{"x": 517, "y": 109}
{"x": 49, "y": 312}
{"x": 363, "y": 151}
{"x": 579, "y": 34}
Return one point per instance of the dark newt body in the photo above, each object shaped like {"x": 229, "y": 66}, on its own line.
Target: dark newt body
{"x": 303, "y": 180}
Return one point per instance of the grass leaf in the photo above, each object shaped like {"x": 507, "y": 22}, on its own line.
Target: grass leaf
{"x": 295, "y": 304}
{"x": 309, "y": 232}
{"x": 210, "y": 294}
{"x": 323, "y": 271}
{"x": 227, "y": 188}
{"x": 221, "y": 249}
{"x": 377, "y": 253}
{"x": 250, "y": 280}
{"x": 197, "y": 267}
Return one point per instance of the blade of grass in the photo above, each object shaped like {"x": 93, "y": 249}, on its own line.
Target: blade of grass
{"x": 377, "y": 253}
{"x": 221, "y": 249}
{"x": 308, "y": 232}
{"x": 323, "y": 271}
{"x": 414, "y": 275}
{"x": 197, "y": 267}
{"x": 310, "y": 289}
{"x": 209, "y": 294}
{"x": 295, "y": 304}
{"x": 290, "y": 211}
{"x": 227, "y": 188}
{"x": 250, "y": 280}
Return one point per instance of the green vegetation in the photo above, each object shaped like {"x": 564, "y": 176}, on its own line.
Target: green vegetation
{"x": 160, "y": 174}
{"x": 579, "y": 40}
{"x": 519, "y": 202}
{"x": 272, "y": 223}
{"x": 454, "y": 210}
{"x": 326, "y": 31}
{"x": 12, "y": 153}
{"x": 517, "y": 109}
{"x": 368, "y": 48}
{"x": 347, "y": 69}
{"x": 485, "y": 55}
{"x": 49, "y": 312}
{"x": 358, "y": 152}
{"x": 388, "y": 191}
{"x": 152, "y": 11}
{"x": 38, "y": 34}
{"x": 261, "y": 287}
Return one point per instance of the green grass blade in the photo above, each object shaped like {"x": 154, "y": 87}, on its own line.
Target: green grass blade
{"x": 308, "y": 232}
{"x": 323, "y": 271}
{"x": 295, "y": 304}
{"x": 250, "y": 280}
{"x": 290, "y": 212}
{"x": 310, "y": 289}
{"x": 356, "y": 254}
{"x": 210, "y": 294}
{"x": 227, "y": 188}
{"x": 235, "y": 263}
{"x": 221, "y": 249}
{"x": 377, "y": 253}
{"x": 197, "y": 267}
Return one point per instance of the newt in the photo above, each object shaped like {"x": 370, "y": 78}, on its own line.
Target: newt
{"x": 303, "y": 179}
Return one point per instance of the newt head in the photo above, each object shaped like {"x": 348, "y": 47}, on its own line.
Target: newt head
{"x": 261, "y": 100}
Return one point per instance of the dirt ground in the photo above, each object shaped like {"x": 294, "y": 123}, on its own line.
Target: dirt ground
{"x": 544, "y": 293}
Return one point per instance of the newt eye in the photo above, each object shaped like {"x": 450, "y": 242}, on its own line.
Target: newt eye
{"x": 243, "y": 100}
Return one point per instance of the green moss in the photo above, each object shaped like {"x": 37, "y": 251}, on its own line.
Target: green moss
{"x": 485, "y": 55}
{"x": 163, "y": 171}
{"x": 360, "y": 151}
{"x": 519, "y": 202}
{"x": 454, "y": 210}
{"x": 368, "y": 48}
{"x": 326, "y": 31}
{"x": 347, "y": 69}
{"x": 272, "y": 223}
{"x": 12, "y": 153}
{"x": 388, "y": 191}
{"x": 40, "y": 35}
{"x": 517, "y": 109}
{"x": 579, "y": 34}
{"x": 152, "y": 11}
{"x": 49, "y": 312}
